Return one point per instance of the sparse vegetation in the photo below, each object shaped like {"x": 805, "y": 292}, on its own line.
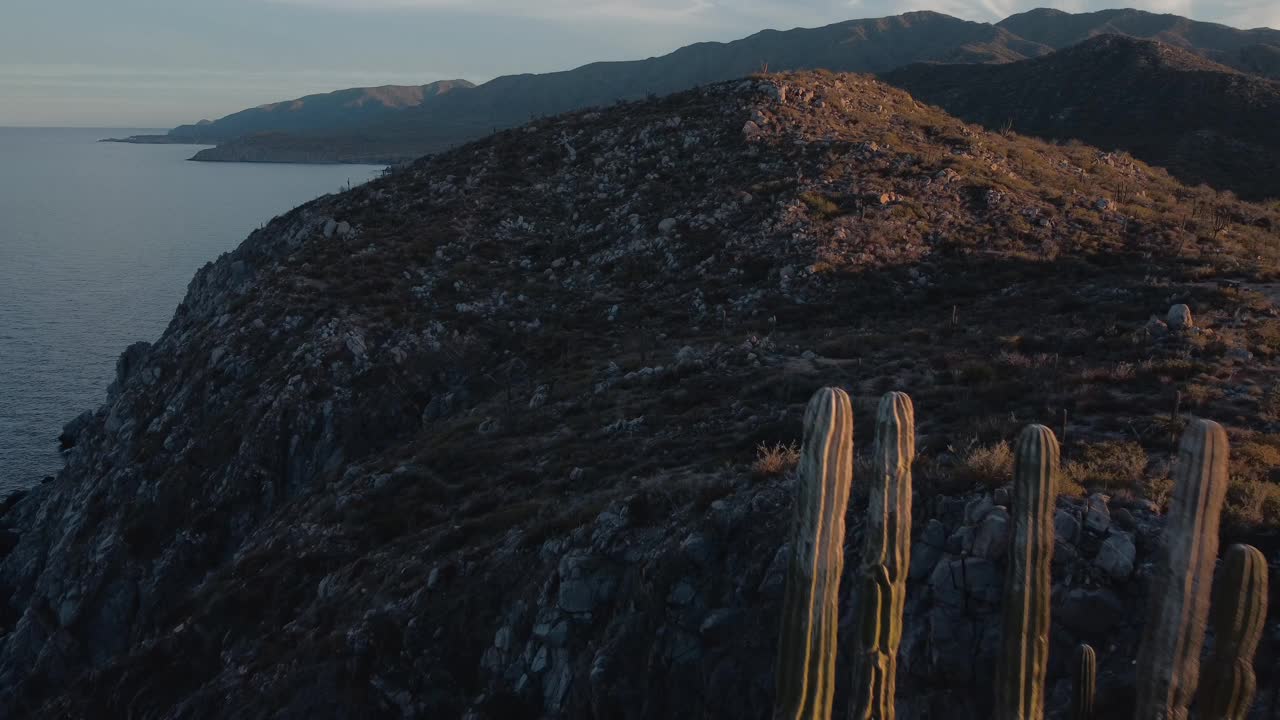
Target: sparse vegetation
{"x": 989, "y": 465}
{"x": 774, "y": 460}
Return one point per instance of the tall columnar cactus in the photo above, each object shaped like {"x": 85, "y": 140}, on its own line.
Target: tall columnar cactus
{"x": 1086, "y": 683}
{"x": 886, "y": 557}
{"x": 1024, "y": 655}
{"x": 1238, "y": 613}
{"x": 807, "y": 644}
{"x": 1169, "y": 657}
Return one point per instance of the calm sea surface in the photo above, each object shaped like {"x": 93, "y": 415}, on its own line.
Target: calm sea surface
{"x": 97, "y": 244}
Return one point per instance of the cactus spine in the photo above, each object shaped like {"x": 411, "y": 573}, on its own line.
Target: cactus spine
{"x": 1086, "y": 683}
{"x": 1023, "y": 661}
{"x": 1238, "y": 613}
{"x": 805, "y": 672}
{"x": 1169, "y": 658}
{"x": 885, "y": 560}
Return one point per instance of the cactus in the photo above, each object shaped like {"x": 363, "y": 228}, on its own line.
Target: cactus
{"x": 805, "y": 672}
{"x": 1086, "y": 683}
{"x": 885, "y": 560}
{"x": 1238, "y": 613}
{"x": 1023, "y": 661}
{"x": 1169, "y": 657}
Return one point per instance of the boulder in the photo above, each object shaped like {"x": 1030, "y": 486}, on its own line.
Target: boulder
{"x": 991, "y": 538}
{"x": 1097, "y": 517}
{"x": 1066, "y": 526}
{"x": 971, "y": 583}
{"x": 1117, "y": 555}
{"x": 585, "y": 583}
{"x": 1180, "y": 318}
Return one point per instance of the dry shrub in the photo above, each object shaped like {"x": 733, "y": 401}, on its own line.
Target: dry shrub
{"x": 990, "y": 465}
{"x": 1158, "y": 490}
{"x": 774, "y": 460}
{"x": 1254, "y": 460}
{"x": 1251, "y": 504}
{"x": 1109, "y": 465}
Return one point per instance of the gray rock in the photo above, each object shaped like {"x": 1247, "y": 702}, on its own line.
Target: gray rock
{"x": 977, "y": 509}
{"x": 702, "y": 551}
{"x": 971, "y": 583}
{"x": 667, "y": 226}
{"x": 991, "y": 538}
{"x": 1066, "y": 527}
{"x": 722, "y": 624}
{"x": 1117, "y": 555}
{"x": 1001, "y": 496}
{"x": 1123, "y": 519}
{"x": 926, "y": 551}
{"x": 585, "y": 582}
{"x": 71, "y": 431}
{"x": 1090, "y": 611}
{"x": 961, "y": 541}
{"x": 1179, "y": 318}
{"x": 1097, "y": 516}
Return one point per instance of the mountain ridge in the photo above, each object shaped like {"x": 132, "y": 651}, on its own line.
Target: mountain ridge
{"x": 1125, "y": 93}
{"x": 870, "y": 45}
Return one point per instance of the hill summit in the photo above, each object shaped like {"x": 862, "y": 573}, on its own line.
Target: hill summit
{"x": 505, "y": 433}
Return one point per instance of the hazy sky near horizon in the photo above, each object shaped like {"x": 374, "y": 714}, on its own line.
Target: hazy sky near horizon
{"x": 159, "y": 63}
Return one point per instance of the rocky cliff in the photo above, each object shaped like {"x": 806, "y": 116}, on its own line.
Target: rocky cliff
{"x": 477, "y": 439}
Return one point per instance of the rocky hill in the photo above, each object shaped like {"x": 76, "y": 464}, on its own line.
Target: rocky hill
{"x": 505, "y": 434}
{"x": 1252, "y": 51}
{"x": 340, "y": 111}
{"x": 1203, "y": 121}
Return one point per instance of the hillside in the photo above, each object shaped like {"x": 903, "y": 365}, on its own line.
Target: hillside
{"x": 342, "y": 110}
{"x": 1202, "y": 121}
{"x": 1252, "y": 51}
{"x": 479, "y": 439}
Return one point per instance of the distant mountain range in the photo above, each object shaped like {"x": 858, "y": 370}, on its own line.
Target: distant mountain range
{"x": 1202, "y": 121}
{"x": 1254, "y": 51}
{"x": 966, "y": 63}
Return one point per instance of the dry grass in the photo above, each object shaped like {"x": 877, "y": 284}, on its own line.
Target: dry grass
{"x": 774, "y": 460}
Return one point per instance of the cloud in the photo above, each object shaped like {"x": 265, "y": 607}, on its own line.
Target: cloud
{"x": 648, "y": 11}
{"x": 757, "y": 14}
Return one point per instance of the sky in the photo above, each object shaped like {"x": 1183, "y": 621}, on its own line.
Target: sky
{"x": 160, "y": 63}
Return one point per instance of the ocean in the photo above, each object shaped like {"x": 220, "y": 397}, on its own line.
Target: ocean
{"x": 97, "y": 244}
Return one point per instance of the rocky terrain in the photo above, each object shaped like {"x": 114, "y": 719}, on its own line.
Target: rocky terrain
{"x": 505, "y": 434}
{"x": 1204, "y": 122}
